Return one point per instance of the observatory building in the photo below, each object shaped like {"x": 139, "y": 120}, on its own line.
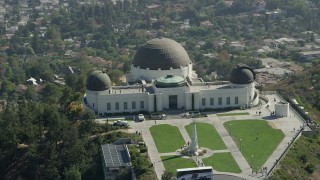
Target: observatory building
{"x": 162, "y": 78}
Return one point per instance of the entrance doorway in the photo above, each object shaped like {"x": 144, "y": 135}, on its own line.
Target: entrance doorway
{"x": 173, "y": 101}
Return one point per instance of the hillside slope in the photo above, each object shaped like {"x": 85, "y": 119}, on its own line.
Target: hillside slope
{"x": 303, "y": 160}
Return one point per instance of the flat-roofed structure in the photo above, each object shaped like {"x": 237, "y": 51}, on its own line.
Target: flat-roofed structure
{"x": 114, "y": 159}
{"x": 308, "y": 55}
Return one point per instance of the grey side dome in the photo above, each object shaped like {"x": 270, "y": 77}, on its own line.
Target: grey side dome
{"x": 242, "y": 74}
{"x": 98, "y": 81}
{"x": 161, "y": 53}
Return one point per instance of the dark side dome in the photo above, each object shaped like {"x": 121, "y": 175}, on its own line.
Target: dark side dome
{"x": 242, "y": 74}
{"x": 161, "y": 53}
{"x": 98, "y": 81}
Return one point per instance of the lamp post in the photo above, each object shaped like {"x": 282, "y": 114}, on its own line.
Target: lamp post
{"x": 240, "y": 144}
{"x": 230, "y": 129}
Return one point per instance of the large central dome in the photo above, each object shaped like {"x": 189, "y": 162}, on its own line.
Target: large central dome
{"x": 161, "y": 53}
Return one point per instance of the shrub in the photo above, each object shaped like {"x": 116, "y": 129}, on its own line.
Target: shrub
{"x": 303, "y": 158}
{"x": 310, "y": 168}
{"x": 143, "y": 149}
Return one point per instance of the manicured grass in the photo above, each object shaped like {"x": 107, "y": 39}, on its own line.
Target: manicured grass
{"x": 222, "y": 162}
{"x": 233, "y": 114}
{"x": 207, "y": 136}
{"x": 172, "y": 163}
{"x": 167, "y": 138}
{"x": 259, "y": 139}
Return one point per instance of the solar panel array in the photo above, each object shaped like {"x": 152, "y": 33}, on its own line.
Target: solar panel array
{"x": 115, "y": 155}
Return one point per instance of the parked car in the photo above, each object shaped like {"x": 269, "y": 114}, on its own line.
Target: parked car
{"x": 192, "y": 114}
{"x": 158, "y": 116}
{"x": 120, "y": 123}
{"x": 140, "y": 117}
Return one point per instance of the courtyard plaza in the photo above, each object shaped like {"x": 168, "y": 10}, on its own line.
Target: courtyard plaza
{"x": 290, "y": 126}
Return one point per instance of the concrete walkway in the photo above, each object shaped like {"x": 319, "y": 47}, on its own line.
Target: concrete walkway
{"x": 235, "y": 152}
{"x": 154, "y": 155}
{"x": 184, "y": 134}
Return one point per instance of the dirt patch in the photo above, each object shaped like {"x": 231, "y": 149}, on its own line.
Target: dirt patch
{"x": 272, "y": 125}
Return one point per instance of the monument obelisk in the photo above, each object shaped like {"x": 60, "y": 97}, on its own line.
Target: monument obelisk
{"x": 194, "y": 141}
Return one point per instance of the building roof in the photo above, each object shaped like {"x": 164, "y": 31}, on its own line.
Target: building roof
{"x": 277, "y": 71}
{"x": 242, "y": 74}
{"x": 115, "y": 155}
{"x": 161, "y": 53}
{"x": 308, "y": 53}
{"x": 98, "y": 81}
{"x": 170, "y": 81}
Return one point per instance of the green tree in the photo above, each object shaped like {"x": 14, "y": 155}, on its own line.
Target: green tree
{"x": 9, "y": 123}
{"x": 26, "y": 121}
{"x": 7, "y": 87}
{"x": 140, "y": 165}
{"x": 51, "y": 93}
{"x": 72, "y": 173}
{"x": 57, "y": 127}
{"x": 224, "y": 56}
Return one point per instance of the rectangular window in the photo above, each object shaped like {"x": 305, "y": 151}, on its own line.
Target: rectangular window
{"x": 228, "y": 100}
{"x": 220, "y": 101}
{"x": 211, "y": 102}
{"x": 236, "y": 100}
{"x": 117, "y": 105}
{"x": 125, "y": 105}
{"x": 203, "y": 101}
{"x": 108, "y": 106}
{"x": 133, "y": 105}
{"x": 141, "y": 104}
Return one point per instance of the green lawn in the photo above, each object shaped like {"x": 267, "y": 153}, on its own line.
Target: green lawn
{"x": 259, "y": 139}
{"x": 172, "y": 163}
{"x": 167, "y": 138}
{"x": 222, "y": 162}
{"x": 207, "y": 136}
{"x": 233, "y": 114}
